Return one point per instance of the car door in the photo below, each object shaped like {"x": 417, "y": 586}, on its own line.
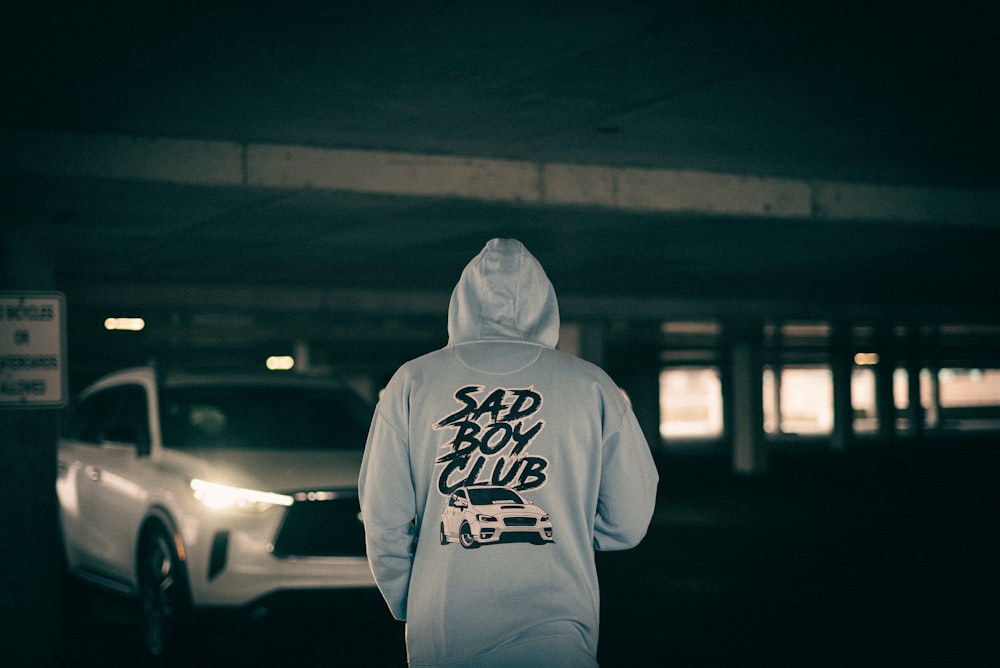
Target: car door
{"x": 79, "y": 460}
{"x": 453, "y": 513}
{"x": 112, "y": 447}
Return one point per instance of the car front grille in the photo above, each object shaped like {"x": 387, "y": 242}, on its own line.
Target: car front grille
{"x": 519, "y": 521}
{"x": 322, "y": 524}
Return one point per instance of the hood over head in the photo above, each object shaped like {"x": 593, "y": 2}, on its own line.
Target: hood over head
{"x": 504, "y": 295}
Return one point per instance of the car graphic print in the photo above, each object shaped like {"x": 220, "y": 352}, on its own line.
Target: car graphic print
{"x": 477, "y": 515}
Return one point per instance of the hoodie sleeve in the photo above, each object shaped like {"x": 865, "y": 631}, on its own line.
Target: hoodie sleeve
{"x": 388, "y": 508}
{"x": 627, "y": 496}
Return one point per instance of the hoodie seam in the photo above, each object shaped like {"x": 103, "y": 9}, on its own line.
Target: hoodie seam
{"x": 541, "y": 349}
{"x": 517, "y": 292}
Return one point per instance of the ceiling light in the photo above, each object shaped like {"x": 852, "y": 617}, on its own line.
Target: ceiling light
{"x": 124, "y": 324}
{"x": 866, "y": 359}
{"x": 280, "y": 362}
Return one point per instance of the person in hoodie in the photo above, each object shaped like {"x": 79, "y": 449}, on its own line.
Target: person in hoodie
{"x": 494, "y": 468}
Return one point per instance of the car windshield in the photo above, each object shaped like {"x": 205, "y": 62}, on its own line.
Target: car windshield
{"x": 485, "y": 496}
{"x": 263, "y": 417}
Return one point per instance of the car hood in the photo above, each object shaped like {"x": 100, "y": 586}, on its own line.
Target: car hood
{"x": 271, "y": 470}
{"x": 509, "y": 509}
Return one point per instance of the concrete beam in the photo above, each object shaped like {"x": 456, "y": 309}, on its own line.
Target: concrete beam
{"x": 126, "y": 157}
{"x": 418, "y": 303}
{"x": 224, "y": 163}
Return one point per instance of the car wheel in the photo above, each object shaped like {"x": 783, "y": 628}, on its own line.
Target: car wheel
{"x": 466, "y": 538}
{"x": 444, "y": 538}
{"x": 163, "y": 594}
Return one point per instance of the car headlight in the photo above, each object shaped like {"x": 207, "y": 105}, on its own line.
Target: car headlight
{"x": 225, "y": 497}
{"x": 545, "y": 518}
{"x": 486, "y": 518}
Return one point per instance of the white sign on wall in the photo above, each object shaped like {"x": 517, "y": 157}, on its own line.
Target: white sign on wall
{"x": 32, "y": 350}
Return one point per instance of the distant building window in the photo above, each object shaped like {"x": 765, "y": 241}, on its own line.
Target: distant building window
{"x": 901, "y": 399}
{"x": 969, "y": 398}
{"x": 863, "y": 400}
{"x": 690, "y": 403}
{"x": 799, "y": 400}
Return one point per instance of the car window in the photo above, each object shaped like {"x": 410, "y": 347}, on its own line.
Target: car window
{"x": 116, "y": 414}
{"x": 485, "y": 496}
{"x": 263, "y": 417}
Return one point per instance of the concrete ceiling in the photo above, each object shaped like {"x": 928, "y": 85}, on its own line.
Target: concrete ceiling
{"x": 665, "y": 159}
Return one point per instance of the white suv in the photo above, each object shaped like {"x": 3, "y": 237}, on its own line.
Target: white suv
{"x": 212, "y": 491}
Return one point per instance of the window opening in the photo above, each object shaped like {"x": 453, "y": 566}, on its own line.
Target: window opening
{"x": 970, "y": 398}
{"x": 798, "y": 401}
{"x": 690, "y": 403}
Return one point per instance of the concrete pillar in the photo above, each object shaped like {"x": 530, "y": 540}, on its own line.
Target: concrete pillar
{"x": 585, "y": 340}
{"x": 29, "y": 563}
{"x": 885, "y": 403}
{"x": 932, "y": 353}
{"x": 934, "y": 411}
{"x": 776, "y": 370}
{"x": 744, "y": 396}
{"x": 915, "y": 409}
{"x": 643, "y": 390}
{"x": 635, "y": 366}
{"x": 775, "y": 362}
{"x": 302, "y": 356}
{"x": 842, "y": 369}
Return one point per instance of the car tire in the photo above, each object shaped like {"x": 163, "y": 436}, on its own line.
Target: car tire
{"x": 444, "y": 538}
{"x": 163, "y": 594}
{"x": 466, "y": 538}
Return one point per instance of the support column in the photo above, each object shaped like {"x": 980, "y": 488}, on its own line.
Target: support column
{"x": 842, "y": 368}
{"x": 934, "y": 413}
{"x": 884, "y": 400}
{"x": 776, "y": 364}
{"x": 932, "y": 352}
{"x": 914, "y": 409}
{"x": 745, "y": 398}
{"x": 302, "y": 356}
{"x": 635, "y": 365}
{"x": 29, "y": 522}
{"x": 585, "y": 340}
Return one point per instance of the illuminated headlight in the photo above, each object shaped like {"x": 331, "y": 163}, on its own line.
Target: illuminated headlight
{"x": 224, "y": 497}
{"x": 486, "y": 518}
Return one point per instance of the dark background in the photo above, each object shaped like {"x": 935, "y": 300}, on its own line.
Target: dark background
{"x": 882, "y": 556}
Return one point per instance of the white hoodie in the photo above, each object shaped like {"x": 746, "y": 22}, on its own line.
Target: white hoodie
{"x": 484, "y": 578}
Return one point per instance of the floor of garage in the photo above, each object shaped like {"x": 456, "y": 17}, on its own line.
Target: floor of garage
{"x": 877, "y": 557}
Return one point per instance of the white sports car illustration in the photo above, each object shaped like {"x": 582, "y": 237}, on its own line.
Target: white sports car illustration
{"x": 477, "y": 515}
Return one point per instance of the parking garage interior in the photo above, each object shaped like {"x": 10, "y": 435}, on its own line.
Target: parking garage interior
{"x": 774, "y": 226}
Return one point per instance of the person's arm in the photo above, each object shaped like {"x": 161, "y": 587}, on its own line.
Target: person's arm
{"x": 627, "y": 496}
{"x": 387, "y": 510}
